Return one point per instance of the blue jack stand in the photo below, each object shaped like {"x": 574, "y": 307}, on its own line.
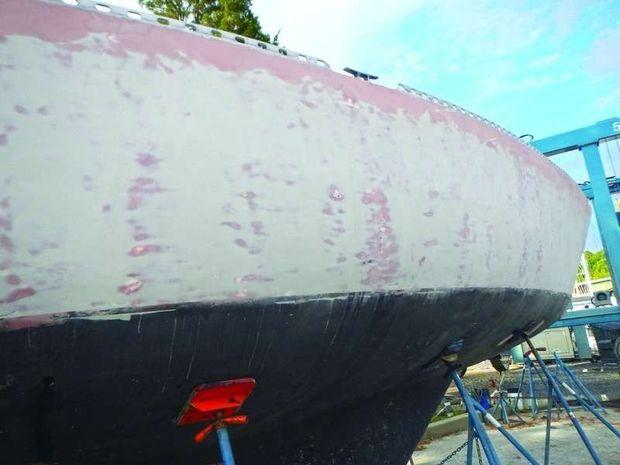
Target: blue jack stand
{"x": 576, "y": 385}
{"x": 555, "y": 395}
{"x": 476, "y": 429}
{"x": 529, "y": 368}
{"x": 503, "y": 403}
{"x": 225, "y": 448}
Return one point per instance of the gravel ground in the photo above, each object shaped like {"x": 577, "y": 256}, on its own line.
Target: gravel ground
{"x": 605, "y": 382}
{"x": 566, "y": 448}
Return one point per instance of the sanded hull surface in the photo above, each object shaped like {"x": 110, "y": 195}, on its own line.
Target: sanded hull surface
{"x": 178, "y": 208}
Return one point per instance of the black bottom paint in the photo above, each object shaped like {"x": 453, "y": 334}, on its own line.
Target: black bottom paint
{"x": 341, "y": 379}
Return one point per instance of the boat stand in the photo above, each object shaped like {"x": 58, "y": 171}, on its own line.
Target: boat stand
{"x": 529, "y": 368}
{"x": 476, "y": 430}
{"x": 216, "y": 404}
{"x": 575, "y": 384}
{"x": 555, "y": 395}
{"x": 503, "y": 404}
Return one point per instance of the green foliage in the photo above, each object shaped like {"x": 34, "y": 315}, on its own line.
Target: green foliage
{"x": 229, "y": 15}
{"x": 597, "y": 264}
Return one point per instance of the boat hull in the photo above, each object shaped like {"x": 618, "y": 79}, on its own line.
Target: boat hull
{"x": 350, "y": 378}
{"x": 178, "y": 208}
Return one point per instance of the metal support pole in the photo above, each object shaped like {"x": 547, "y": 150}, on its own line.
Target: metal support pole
{"x": 521, "y": 380}
{"x": 548, "y": 429}
{"x": 505, "y": 433}
{"x": 581, "y": 341}
{"x": 577, "y": 382}
{"x": 225, "y": 449}
{"x": 489, "y": 451}
{"x": 604, "y": 211}
{"x": 530, "y": 380}
{"x": 590, "y": 409}
{"x": 552, "y": 382}
{"x": 470, "y": 442}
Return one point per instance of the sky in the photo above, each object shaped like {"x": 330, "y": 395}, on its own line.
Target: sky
{"x": 539, "y": 67}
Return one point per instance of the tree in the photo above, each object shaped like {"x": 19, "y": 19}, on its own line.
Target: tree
{"x": 597, "y": 264}
{"x": 229, "y": 15}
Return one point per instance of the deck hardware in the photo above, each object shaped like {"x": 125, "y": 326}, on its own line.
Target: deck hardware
{"x": 359, "y": 74}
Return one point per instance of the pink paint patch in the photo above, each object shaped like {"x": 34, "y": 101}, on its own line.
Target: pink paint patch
{"x": 241, "y": 243}
{"x": 141, "y": 188}
{"x": 231, "y": 224}
{"x": 5, "y": 203}
{"x": 13, "y": 280}
{"x": 65, "y": 59}
{"x": 6, "y": 243}
{"x": 5, "y": 223}
{"x": 249, "y": 197}
{"x": 375, "y": 196}
{"x": 147, "y": 160}
{"x": 258, "y": 228}
{"x": 146, "y": 186}
{"x": 465, "y": 231}
{"x": 20, "y": 109}
{"x": 134, "y": 202}
{"x": 381, "y": 245}
{"x": 141, "y": 236}
{"x": 5, "y": 264}
{"x": 131, "y": 287}
{"x": 3, "y": 139}
{"x": 14, "y": 324}
{"x": 241, "y": 295}
{"x": 335, "y": 193}
{"x": 327, "y": 210}
{"x": 139, "y": 250}
{"x": 19, "y": 294}
{"x": 252, "y": 278}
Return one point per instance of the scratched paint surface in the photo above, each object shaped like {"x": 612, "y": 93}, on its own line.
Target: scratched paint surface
{"x": 141, "y": 165}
